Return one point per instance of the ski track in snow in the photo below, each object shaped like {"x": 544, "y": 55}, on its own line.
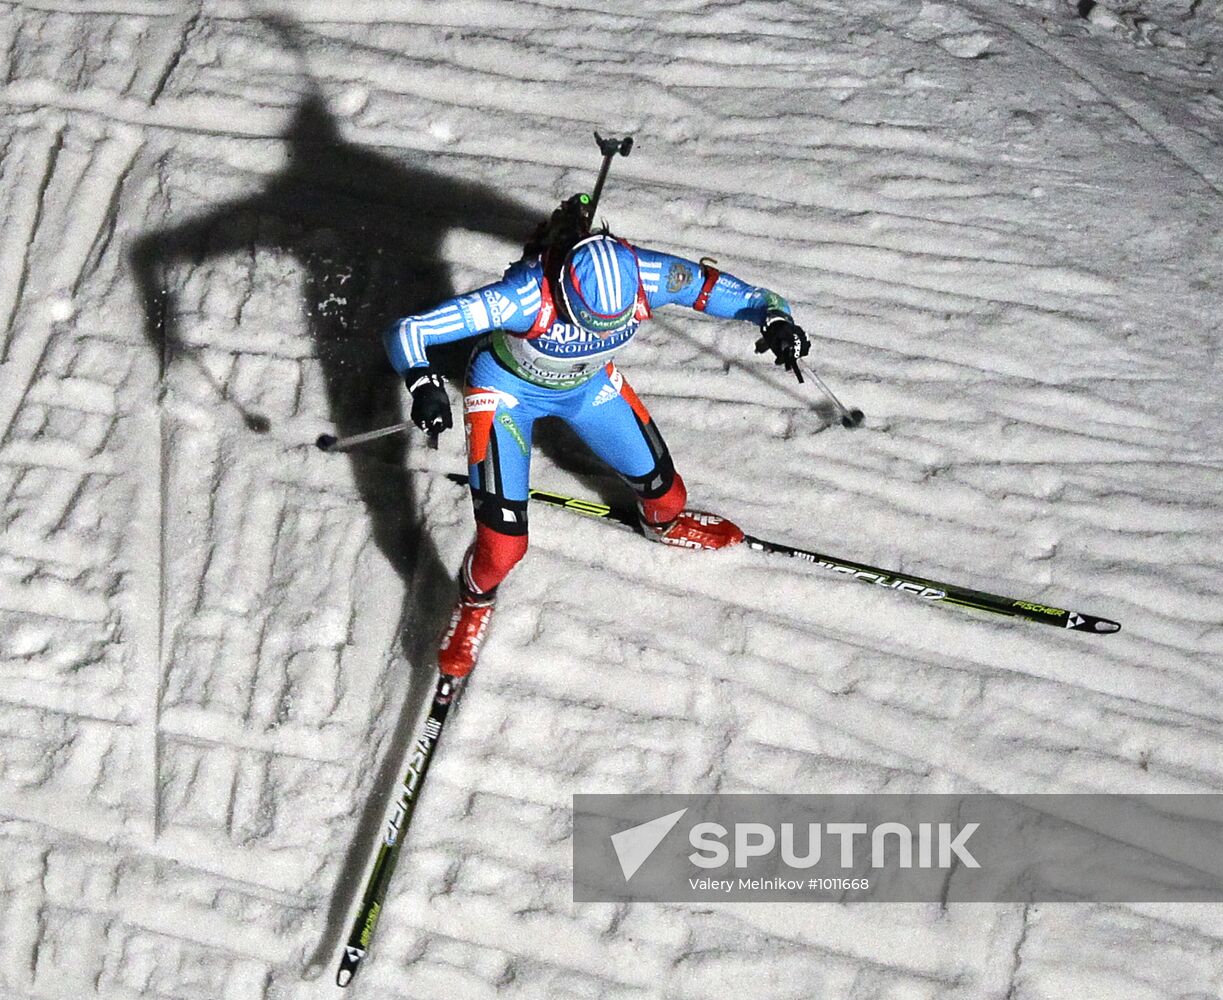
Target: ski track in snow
{"x": 1001, "y": 223}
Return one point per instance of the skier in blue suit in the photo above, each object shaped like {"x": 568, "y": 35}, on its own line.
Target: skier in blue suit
{"x": 549, "y": 331}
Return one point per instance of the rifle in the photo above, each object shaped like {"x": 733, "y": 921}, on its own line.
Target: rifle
{"x": 573, "y": 219}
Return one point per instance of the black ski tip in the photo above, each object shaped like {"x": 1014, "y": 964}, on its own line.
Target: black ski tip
{"x": 1104, "y": 625}
{"x": 852, "y": 419}
{"x": 326, "y": 442}
{"x": 258, "y": 423}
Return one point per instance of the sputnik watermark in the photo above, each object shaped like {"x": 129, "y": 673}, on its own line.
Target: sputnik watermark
{"x": 635, "y": 845}
{"x": 897, "y": 848}
{"x": 810, "y": 885}
{"x": 759, "y": 840}
{"x": 937, "y": 846}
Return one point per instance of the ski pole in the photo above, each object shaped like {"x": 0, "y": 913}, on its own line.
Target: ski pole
{"x": 329, "y": 442}
{"x": 849, "y": 418}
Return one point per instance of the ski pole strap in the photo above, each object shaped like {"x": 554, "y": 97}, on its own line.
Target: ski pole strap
{"x": 712, "y": 274}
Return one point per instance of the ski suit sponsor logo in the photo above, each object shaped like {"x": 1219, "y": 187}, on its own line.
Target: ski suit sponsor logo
{"x": 485, "y": 310}
{"x": 561, "y": 361}
{"x": 500, "y": 308}
{"x": 506, "y": 421}
{"x": 611, "y": 391}
{"x": 407, "y": 791}
{"x": 566, "y": 340}
{"x": 566, "y": 333}
{"x": 475, "y": 312}
{"x": 479, "y": 405}
{"x": 606, "y": 395}
{"x": 487, "y": 400}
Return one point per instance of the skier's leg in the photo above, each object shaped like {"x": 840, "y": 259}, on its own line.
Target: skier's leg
{"x": 611, "y": 419}
{"x": 499, "y": 433}
{"x": 498, "y": 449}
{"x": 616, "y": 425}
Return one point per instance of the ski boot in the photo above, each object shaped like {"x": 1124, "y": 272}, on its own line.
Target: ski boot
{"x": 695, "y": 529}
{"x": 456, "y": 655}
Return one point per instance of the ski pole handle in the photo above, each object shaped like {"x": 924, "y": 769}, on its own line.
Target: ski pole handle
{"x": 762, "y": 345}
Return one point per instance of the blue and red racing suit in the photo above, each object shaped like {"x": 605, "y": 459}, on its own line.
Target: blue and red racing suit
{"x": 533, "y": 363}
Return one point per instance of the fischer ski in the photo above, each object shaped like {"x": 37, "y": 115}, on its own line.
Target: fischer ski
{"x": 447, "y": 692}
{"x": 927, "y": 590}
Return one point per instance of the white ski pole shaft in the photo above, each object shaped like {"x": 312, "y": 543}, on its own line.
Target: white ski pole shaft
{"x": 329, "y": 442}
{"x": 849, "y": 418}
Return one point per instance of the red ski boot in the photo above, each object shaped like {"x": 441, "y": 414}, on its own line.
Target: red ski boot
{"x": 694, "y": 529}
{"x": 456, "y": 656}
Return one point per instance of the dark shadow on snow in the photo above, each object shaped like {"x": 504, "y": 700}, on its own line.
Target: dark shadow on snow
{"x": 367, "y": 229}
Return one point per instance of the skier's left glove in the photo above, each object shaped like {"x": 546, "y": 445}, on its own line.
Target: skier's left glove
{"x": 785, "y": 338}
{"x": 430, "y": 404}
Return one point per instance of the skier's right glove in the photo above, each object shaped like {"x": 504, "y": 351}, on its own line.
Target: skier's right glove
{"x": 785, "y": 338}
{"x": 430, "y": 404}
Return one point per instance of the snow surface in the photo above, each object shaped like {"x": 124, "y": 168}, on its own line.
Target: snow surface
{"x": 1001, "y": 221}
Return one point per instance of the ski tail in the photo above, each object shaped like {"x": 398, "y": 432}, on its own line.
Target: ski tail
{"x": 447, "y": 691}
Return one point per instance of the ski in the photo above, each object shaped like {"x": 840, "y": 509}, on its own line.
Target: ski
{"x": 448, "y": 689}
{"x": 927, "y": 590}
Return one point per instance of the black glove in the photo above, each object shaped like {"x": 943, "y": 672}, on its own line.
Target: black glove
{"x": 430, "y": 404}
{"x": 786, "y": 339}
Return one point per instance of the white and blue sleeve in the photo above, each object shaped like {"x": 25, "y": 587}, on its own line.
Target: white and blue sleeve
{"x": 509, "y": 304}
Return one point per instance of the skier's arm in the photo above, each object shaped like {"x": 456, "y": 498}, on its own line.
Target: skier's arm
{"x": 509, "y": 304}
{"x": 671, "y": 280}
{"x": 668, "y": 279}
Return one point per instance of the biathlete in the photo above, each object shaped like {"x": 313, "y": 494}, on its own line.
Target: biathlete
{"x": 550, "y": 330}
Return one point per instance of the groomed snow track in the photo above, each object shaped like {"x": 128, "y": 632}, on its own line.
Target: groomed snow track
{"x": 1000, "y": 222}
